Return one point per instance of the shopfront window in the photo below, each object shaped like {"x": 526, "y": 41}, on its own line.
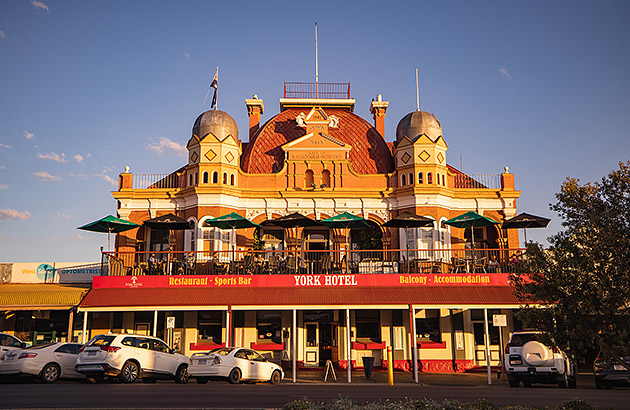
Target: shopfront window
{"x": 428, "y": 328}
{"x": 269, "y": 326}
{"x": 210, "y": 326}
{"x": 368, "y": 325}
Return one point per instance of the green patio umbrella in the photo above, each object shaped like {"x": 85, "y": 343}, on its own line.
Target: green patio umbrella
{"x": 347, "y": 221}
{"x": 231, "y": 221}
{"x": 471, "y": 220}
{"x": 109, "y": 224}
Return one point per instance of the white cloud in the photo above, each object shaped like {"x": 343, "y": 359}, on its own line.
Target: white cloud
{"x": 2, "y": 34}
{"x": 82, "y": 177}
{"x": 2, "y": 167}
{"x": 505, "y": 73}
{"x": 29, "y": 135}
{"x": 53, "y": 156}
{"x": 46, "y": 177}
{"x": 4, "y": 187}
{"x": 106, "y": 177}
{"x": 40, "y": 5}
{"x": 14, "y": 214}
{"x": 187, "y": 56}
{"x": 77, "y": 237}
{"x": 5, "y": 146}
{"x": 78, "y": 158}
{"x": 164, "y": 144}
{"x": 64, "y": 216}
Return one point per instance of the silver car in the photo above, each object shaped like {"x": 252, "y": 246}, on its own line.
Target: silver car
{"x": 233, "y": 364}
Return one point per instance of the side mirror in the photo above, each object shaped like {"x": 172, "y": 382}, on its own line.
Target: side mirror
{"x": 23, "y": 345}
{"x": 171, "y": 350}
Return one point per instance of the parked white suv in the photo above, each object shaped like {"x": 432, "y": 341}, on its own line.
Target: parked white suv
{"x": 529, "y": 360}
{"x": 130, "y": 357}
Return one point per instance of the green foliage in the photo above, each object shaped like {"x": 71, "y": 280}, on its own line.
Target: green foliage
{"x": 259, "y": 244}
{"x": 343, "y": 403}
{"x": 369, "y": 238}
{"x": 584, "y": 276}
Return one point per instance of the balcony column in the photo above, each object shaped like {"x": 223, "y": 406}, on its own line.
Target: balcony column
{"x": 70, "y": 325}
{"x": 85, "y": 319}
{"x": 349, "y": 345}
{"x": 414, "y": 344}
{"x": 507, "y": 180}
{"x": 125, "y": 180}
{"x": 155, "y": 317}
{"x": 487, "y": 342}
{"x": 294, "y": 346}
{"x": 228, "y": 326}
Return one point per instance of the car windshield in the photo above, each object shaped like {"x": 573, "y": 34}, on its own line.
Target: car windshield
{"x": 222, "y": 351}
{"x": 101, "y": 340}
{"x": 521, "y": 339}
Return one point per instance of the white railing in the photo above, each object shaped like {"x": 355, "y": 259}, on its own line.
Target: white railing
{"x": 155, "y": 181}
{"x": 478, "y": 181}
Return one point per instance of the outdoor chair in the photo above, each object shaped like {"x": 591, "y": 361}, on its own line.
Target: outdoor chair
{"x": 272, "y": 265}
{"x": 326, "y": 263}
{"x": 459, "y": 265}
{"x": 436, "y": 266}
{"x": 480, "y": 265}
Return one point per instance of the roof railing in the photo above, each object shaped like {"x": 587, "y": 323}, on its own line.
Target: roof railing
{"x": 478, "y": 181}
{"x": 331, "y": 91}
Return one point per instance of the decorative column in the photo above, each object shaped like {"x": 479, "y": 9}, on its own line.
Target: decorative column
{"x": 255, "y": 108}
{"x": 378, "y": 109}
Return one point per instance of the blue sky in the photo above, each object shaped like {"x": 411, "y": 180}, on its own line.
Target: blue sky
{"x": 89, "y": 87}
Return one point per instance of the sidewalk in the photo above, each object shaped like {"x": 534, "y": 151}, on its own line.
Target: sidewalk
{"x": 380, "y": 377}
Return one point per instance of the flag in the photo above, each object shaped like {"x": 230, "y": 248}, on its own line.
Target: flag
{"x": 215, "y": 84}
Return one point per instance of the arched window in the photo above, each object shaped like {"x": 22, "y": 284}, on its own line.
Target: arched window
{"x": 309, "y": 179}
{"x": 196, "y": 178}
{"x": 429, "y": 178}
{"x": 325, "y": 178}
{"x": 215, "y": 177}
{"x": 420, "y": 177}
{"x": 403, "y": 180}
{"x": 225, "y": 178}
{"x": 205, "y": 177}
{"x": 189, "y": 179}
{"x": 231, "y": 179}
{"x": 410, "y": 178}
{"x": 444, "y": 180}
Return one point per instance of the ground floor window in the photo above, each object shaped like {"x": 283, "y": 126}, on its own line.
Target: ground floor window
{"x": 210, "y": 326}
{"x": 428, "y": 328}
{"x": 269, "y": 326}
{"x": 368, "y": 325}
{"x": 476, "y": 315}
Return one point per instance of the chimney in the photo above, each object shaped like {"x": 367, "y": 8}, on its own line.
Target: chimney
{"x": 378, "y": 108}
{"x": 255, "y": 108}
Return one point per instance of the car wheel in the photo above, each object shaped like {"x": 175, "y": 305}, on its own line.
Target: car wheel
{"x": 149, "y": 380}
{"x": 181, "y": 375}
{"x": 50, "y": 373}
{"x": 235, "y": 376}
{"x": 202, "y": 380}
{"x": 129, "y": 372}
{"x": 275, "y": 377}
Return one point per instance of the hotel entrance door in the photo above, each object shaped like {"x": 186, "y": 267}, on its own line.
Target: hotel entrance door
{"x": 321, "y": 338}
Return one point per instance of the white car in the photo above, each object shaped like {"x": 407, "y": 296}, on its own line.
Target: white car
{"x": 234, "y": 364}
{"x": 130, "y": 357}
{"x": 49, "y": 362}
{"x": 529, "y": 360}
{"x": 8, "y": 344}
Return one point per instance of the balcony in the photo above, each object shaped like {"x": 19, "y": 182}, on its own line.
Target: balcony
{"x": 257, "y": 262}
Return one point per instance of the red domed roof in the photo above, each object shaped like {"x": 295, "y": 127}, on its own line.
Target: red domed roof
{"x": 369, "y": 154}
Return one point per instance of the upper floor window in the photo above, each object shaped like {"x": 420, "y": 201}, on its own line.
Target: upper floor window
{"x": 215, "y": 177}
{"x": 231, "y": 179}
{"x": 205, "y": 177}
{"x": 420, "y": 178}
{"x": 429, "y": 178}
{"x": 225, "y": 178}
{"x": 325, "y": 178}
{"x": 410, "y": 178}
{"x": 196, "y": 178}
{"x": 309, "y": 179}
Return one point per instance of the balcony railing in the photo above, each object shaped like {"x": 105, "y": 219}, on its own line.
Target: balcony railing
{"x": 478, "y": 181}
{"x": 155, "y": 181}
{"x": 317, "y": 90}
{"x": 247, "y": 262}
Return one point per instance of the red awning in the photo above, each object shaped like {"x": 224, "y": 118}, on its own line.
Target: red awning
{"x": 435, "y": 295}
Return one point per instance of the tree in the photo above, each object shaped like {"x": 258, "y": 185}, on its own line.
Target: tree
{"x": 584, "y": 276}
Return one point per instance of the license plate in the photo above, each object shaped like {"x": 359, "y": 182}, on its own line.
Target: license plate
{"x": 202, "y": 361}
{"x": 619, "y": 367}
{"x": 92, "y": 353}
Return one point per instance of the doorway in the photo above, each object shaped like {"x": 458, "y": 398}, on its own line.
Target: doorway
{"x": 320, "y": 338}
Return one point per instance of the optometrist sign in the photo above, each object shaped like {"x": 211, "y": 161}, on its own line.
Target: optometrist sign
{"x": 55, "y": 272}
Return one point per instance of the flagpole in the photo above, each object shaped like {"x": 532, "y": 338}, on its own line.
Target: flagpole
{"x": 316, "y": 66}
{"x": 216, "y": 92}
{"x": 417, "y": 92}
